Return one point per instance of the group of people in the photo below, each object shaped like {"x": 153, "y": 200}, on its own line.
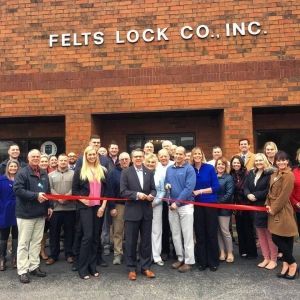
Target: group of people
{"x": 142, "y": 203}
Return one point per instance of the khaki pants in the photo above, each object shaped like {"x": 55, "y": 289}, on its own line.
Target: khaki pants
{"x": 29, "y": 244}
{"x": 181, "y": 224}
{"x": 118, "y": 230}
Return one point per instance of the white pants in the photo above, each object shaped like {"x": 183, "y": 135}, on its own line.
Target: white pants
{"x": 156, "y": 235}
{"x": 29, "y": 244}
{"x": 181, "y": 224}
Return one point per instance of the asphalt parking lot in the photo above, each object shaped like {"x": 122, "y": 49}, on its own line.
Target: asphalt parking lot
{"x": 240, "y": 280}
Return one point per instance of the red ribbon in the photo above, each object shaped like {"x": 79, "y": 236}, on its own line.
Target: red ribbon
{"x": 213, "y": 205}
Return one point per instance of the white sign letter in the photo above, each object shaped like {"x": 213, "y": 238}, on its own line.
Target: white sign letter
{"x": 98, "y": 38}
{"x": 253, "y": 31}
{"x": 86, "y": 38}
{"x": 135, "y": 34}
{"x": 118, "y": 40}
{"x": 53, "y": 38}
{"x": 203, "y": 28}
{"x": 182, "y": 32}
{"x": 149, "y": 39}
{"x": 66, "y": 39}
{"x": 161, "y": 34}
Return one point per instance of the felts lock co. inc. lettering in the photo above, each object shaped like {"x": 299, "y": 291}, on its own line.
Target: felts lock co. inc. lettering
{"x": 149, "y": 35}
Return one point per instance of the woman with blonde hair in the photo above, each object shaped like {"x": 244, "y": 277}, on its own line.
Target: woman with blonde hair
{"x": 256, "y": 190}
{"x": 205, "y": 218}
{"x": 89, "y": 181}
{"x": 270, "y": 150}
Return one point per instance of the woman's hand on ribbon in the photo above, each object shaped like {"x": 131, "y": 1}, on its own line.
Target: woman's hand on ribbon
{"x": 100, "y": 212}
{"x": 269, "y": 210}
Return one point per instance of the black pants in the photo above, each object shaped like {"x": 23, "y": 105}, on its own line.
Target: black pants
{"x": 286, "y": 246}
{"x": 298, "y": 221}
{"x": 246, "y": 234}
{"x": 166, "y": 233}
{"x": 132, "y": 230}
{"x": 67, "y": 220}
{"x": 206, "y": 231}
{"x": 90, "y": 225}
{"x": 4, "y": 233}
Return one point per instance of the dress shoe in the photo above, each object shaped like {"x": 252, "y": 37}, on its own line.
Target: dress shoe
{"x": 213, "y": 268}
{"x": 117, "y": 260}
{"x": 230, "y": 258}
{"x": 24, "y": 278}
{"x": 164, "y": 256}
{"x": 50, "y": 261}
{"x": 148, "y": 273}
{"x": 202, "y": 268}
{"x": 177, "y": 264}
{"x": 282, "y": 275}
{"x": 14, "y": 262}
{"x": 74, "y": 266}
{"x": 102, "y": 263}
{"x": 271, "y": 265}
{"x": 2, "y": 264}
{"x": 160, "y": 263}
{"x": 70, "y": 259}
{"x": 292, "y": 277}
{"x": 37, "y": 272}
{"x": 132, "y": 275}
{"x": 185, "y": 268}
{"x": 264, "y": 263}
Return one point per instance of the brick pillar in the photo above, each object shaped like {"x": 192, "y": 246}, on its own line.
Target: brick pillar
{"x": 237, "y": 124}
{"x": 78, "y": 131}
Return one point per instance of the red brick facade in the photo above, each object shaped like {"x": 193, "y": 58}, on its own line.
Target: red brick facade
{"x": 231, "y": 74}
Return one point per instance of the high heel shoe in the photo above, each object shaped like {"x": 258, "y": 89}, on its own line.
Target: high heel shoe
{"x": 292, "y": 277}
{"x": 282, "y": 275}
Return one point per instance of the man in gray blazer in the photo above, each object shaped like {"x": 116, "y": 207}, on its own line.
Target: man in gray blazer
{"x": 137, "y": 185}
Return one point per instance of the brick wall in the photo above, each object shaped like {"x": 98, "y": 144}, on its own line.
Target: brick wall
{"x": 233, "y": 74}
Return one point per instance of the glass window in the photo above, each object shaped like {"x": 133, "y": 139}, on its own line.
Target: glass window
{"x": 28, "y": 144}
{"x": 186, "y": 140}
{"x": 287, "y": 140}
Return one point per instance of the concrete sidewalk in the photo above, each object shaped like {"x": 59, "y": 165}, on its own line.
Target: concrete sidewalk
{"x": 240, "y": 280}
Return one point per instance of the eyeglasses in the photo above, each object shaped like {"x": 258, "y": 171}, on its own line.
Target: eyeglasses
{"x": 137, "y": 156}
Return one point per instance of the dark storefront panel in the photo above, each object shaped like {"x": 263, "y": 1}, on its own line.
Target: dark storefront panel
{"x": 27, "y": 145}
{"x": 285, "y": 139}
{"x": 186, "y": 140}
{"x": 185, "y": 128}
{"x": 280, "y": 125}
{"x": 30, "y": 133}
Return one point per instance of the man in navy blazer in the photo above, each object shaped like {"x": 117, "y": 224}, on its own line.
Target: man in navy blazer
{"x": 137, "y": 185}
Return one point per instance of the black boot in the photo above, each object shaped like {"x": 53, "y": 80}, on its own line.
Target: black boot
{"x": 14, "y": 244}
{"x": 3, "y": 247}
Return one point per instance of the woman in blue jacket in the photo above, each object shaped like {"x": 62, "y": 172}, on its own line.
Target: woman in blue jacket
{"x": 225, "y": 196}
{"x": 8, "y": 223}
{"x": 205, "y": 218}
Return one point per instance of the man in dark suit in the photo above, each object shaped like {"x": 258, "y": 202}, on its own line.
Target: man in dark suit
{"x": 137, "y": 185}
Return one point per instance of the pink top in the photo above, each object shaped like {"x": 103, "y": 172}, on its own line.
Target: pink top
{"x": 95, "y": 191}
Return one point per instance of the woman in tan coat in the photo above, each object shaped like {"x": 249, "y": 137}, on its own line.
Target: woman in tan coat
{"x": 281, "y": 220}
